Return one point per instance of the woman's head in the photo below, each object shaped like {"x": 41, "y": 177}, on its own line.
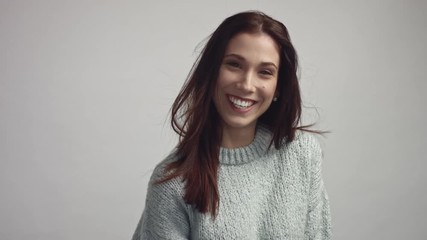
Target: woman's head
{"x": 196, "y": 100}
{"x": 246, "y": 85}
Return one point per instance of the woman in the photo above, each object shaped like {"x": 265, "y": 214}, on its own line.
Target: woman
{"x": 243, "y": 168}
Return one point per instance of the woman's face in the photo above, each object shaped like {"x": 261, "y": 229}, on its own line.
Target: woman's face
{"x": 247, "y": 80}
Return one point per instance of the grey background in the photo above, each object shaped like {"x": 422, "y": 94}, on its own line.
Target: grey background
{"x": 85, "y": 89}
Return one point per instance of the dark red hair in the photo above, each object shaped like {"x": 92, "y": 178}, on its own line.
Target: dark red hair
{"x": 195, "y": 119}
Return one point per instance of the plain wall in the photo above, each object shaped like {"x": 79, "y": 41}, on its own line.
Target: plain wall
{"x": 86, "y": 86}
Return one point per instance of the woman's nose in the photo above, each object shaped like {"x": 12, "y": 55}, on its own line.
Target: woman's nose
{"x": 246, "y": 82}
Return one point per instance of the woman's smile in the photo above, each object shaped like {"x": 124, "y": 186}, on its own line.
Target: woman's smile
{"x": 241, "y": 104}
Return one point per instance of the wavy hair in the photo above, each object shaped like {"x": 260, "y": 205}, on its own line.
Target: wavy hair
{"x": 195, "y": 119}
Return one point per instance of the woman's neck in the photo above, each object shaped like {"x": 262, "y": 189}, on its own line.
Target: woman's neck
{"x": 237, "y": 137}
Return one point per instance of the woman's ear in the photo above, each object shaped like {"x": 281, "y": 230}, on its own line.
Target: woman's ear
{"x": 276, "y": 96}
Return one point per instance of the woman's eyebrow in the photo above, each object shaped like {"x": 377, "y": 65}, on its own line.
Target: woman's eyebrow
{"x": 243, "y": 59}
{"x": 269, "y": 64}
{"x": 235, "y": 55}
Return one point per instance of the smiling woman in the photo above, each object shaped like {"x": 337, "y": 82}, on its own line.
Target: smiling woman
{"x": 244, "y": 168}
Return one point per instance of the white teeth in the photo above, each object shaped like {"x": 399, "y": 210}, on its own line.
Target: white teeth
{"x": 240, "y": 103}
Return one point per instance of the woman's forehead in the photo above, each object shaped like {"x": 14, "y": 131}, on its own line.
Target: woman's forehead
{"x": 258, "y": 47}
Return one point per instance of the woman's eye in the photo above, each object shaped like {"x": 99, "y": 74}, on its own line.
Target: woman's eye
{"x": 266, "y": 72}
{"x": 233, "y": 64}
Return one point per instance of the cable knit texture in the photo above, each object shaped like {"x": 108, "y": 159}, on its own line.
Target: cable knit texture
{"x": 264, "y": 194}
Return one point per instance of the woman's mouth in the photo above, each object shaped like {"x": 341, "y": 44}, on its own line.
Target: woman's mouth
{"x": 241, "y": 103}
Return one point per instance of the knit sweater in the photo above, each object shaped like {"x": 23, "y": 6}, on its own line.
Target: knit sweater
{"x": 264, "y": 194}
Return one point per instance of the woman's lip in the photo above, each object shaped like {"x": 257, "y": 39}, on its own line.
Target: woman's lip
{"x": 240, "y": 110}
{"x": 244, "y": 99}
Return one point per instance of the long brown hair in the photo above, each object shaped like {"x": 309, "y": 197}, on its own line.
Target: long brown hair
{"x": 195, "y": 119}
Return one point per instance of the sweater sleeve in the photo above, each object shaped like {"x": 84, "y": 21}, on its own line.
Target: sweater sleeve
{"x": 318, "y": 216}
{"x": 165, "y": 215}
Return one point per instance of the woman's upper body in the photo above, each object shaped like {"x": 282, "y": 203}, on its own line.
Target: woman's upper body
{"x": 264, "y": 194}
{"x": 244, "y": 168}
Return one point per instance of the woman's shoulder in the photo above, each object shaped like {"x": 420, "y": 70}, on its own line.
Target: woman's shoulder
{"x": 306, "y": 141}
{"x": 305, "y": 147}
{"x": 303, "y": 140}
{"x": 160, "y": 170}
{"x": 166, "y": 192}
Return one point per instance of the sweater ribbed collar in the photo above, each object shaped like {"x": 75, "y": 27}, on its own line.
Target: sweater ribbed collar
{"x": 249, "y": 153}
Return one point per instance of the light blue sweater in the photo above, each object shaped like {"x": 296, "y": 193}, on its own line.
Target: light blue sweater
{"x": 274, "y": 194}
